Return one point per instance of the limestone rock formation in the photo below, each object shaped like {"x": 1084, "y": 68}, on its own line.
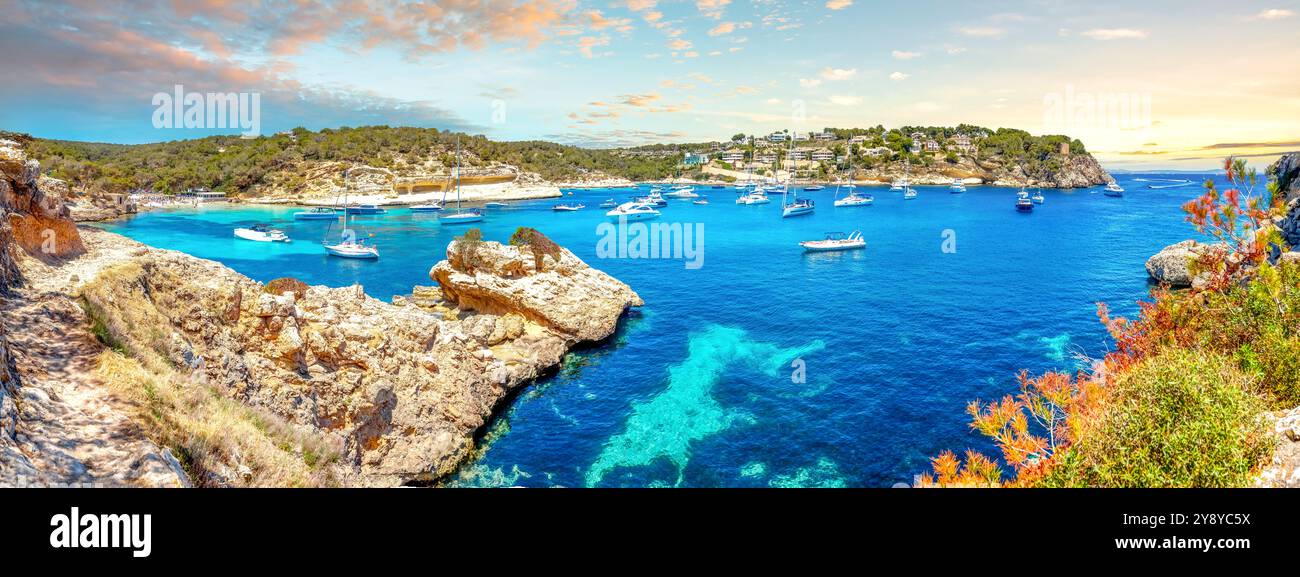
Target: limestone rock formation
{"x": 400, "y": 389}
{"x": 1172, "y": 264}
{"x": 1076, "y": 171}
{"x": 38, "y": 219}
{"x": 566, "y": 295}
{"x": 1286, "y": 171}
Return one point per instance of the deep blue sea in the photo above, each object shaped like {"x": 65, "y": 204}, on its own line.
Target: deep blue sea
{"x": 767, "y": 366}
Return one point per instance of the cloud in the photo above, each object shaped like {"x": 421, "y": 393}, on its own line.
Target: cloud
{"x": 614, "y": 138}
{"x": 638, "y": 100}
{"x": 1274, "y": 144}
{"x": 1114, "y": 33}
{"x": 838, "y": 4}
{"x": 898, "y": 76}
{"x": 982, "y": 31}
{"x": 809, "y": 82}
{"x": 586, "y": 43}
{"x": 841, "y": 100}
{"x": 723, "y": 28}
{"x": 837, "y": 74}
{"x": 955, "y": 50}
{"x": 905, "y": 55}
{"x": 639, "y": 5}
{"x": 679, "y": 44}
{"x": 712, "y": 8}
{"x": 1273, "y": 14}
{"x": 597, "y": 20}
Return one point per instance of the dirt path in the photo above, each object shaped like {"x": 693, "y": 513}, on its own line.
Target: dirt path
{"x": 69, "y": 426}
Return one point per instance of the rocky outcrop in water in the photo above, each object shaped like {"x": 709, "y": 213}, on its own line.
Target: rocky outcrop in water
{"x": 557, "y": 291}
{"x": 1172, "y": 265}
{"x": 399, "y": 389}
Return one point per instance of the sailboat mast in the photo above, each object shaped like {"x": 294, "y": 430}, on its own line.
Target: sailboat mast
{"x": 457, "y": 173}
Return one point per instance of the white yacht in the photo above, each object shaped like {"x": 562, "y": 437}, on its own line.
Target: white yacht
{"x": 318, "y": 213}
{"x": 1114, "y": 189}
{"x": 909, "y": 194}
{"x": 1038, "y": 198}
{"x": 261, "y": 233}
{"x": 835, "y": 241}
{"x": 568, "y": 207}
{"x": 633, "y": 211}
{"x": 957, "y": 186}
{"x": 900, "y": 184}
{"x": 429, "y": 207}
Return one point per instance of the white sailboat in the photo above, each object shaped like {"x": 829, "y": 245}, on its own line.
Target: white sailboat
{"x": 853, "y": 198}
{"x": 348, "y": 246}
{"x": 797, "y": 206}
{"x": 460, "y": 215}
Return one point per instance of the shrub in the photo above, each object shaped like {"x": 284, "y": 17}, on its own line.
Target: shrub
{"x": 1180, "y": 419}
{"x": 538, "y": 243}
{"x": 286, "y": 285}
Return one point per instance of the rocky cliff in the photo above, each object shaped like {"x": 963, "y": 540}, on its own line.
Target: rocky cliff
{"x": 397, "y": 391}
{"x": 1072, "y": 171}
{"x": 34, "y": 208}
{"x": 1286, "y": 172}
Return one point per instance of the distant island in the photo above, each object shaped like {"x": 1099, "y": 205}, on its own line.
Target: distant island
{"x": 390, "y": 163}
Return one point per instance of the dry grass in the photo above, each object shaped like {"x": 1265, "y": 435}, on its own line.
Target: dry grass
{"x": 218, "y": 440}
{"x": 214, "y": 436}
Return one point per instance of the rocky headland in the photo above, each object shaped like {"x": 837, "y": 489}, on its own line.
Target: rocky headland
{"x": 124, "y": 364}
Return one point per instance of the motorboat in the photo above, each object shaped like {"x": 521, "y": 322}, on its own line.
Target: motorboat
{"x": 957, "y": 186}
{"x": 611, "y": 203}
{"x": 835, "y": 241}
{"x": 318, "y": 213}
{"x": 365, "y": 209}
{"x": 701, "y": 201}
{"x": 261, "y": 233}
{"x": 350, "y": 249}
{"x": 814, "y": 188}
{"x": 759, "y": 196}
{"x": 430, "y": 207}
{"x": 1023, "y": 202}
{"x": 1114, "y": 189}
{"x": 568, "y": 207}
{"x": 495, "y": 204}
{"x": 633, "y": 211}
{"x": 680, "y": 192}
{"x": 1037, "y": 197}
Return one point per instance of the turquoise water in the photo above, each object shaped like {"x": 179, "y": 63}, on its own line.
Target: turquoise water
{"x": 766, "y": 366}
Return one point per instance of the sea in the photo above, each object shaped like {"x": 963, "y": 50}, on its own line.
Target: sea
{"x": 754, "y": 363}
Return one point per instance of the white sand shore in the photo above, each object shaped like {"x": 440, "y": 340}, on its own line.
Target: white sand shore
{"x": 470, "y": 193}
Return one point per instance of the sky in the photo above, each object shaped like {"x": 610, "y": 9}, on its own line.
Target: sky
{"x": 1163, "y": 84}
